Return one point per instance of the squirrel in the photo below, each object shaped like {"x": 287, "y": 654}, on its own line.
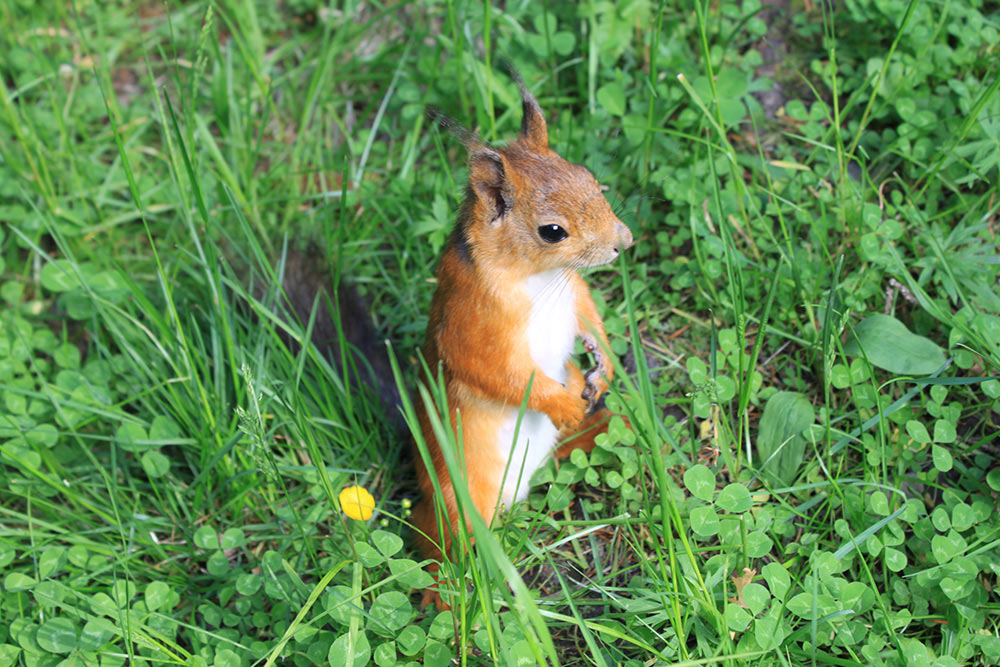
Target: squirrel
{"x": 507, "y": 311}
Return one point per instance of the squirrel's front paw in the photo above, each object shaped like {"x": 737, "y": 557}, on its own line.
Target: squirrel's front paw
{"x": 568, "y": 410}
{"x": 595, "y": 385}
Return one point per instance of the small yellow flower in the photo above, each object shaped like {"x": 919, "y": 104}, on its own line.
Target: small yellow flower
{"x": 357, "y": 503}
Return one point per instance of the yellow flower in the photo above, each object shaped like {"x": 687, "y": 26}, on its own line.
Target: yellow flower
{"x": 357, "y": 503}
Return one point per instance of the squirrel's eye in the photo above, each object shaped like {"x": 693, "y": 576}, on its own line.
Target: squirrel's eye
{"x": 552, "y": 233}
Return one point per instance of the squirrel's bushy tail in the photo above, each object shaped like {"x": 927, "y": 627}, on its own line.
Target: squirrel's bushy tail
{"x": 308, "y": 283}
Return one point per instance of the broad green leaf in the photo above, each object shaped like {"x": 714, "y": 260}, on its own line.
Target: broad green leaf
{"x": 734, "y": 499}
{"x": 409, "y": 573}
{"x": 206, "y": 538}
{"x": 368, "y": 556}
{"x": 780, "y": 445}
{"x": 777, "y": 578}
{"x": 233, "y": 538}
{"x": 129, "y": 435}
{"x": 895, "y": 560}
{"x": 756, "y": 597}
{"x": 60, "y": 275}
{"x": 737, "y": 618}
{"x": 248, "y": 583}
{"x": 96, "y": 633}
{"x": 962, "y": 517}
{"x": 156, "y": 595}
{"x": 411, "y": 639}
{"x": 758, "y": 544}
{"x": 343, "y": 653}
{"x": 802, "y": 606}
{"x": 390, "y": 611}
{"x": 155, "y": 464}
{"x": 704, "y": 521}
{"x": 611, "y": 96}
{"x": 942, "y": 458}
{"x": 700, "y": 481}
{"x": 917, "y": 431}
{"x": 226, "y": 657}
{"x": 18, "y": 581}
{"x": 888, "y": 344}
{"x": 388, "y": 543}
{"x": 58, "y": 635}
{"x": 385, "y": 654}
{"x": 436, "y": 654}
{"x": 944, "y": 431}
{"x": 443, "y": 625}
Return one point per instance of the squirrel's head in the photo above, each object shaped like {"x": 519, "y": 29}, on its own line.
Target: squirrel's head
{"x": 530, "y": 208}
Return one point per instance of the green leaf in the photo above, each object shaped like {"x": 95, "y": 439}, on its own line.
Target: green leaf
{"x": 895, "y": 559}
{"x": 918, "y": 431}
{"x": 946, "y": 547}
{"x": 388, "y": 543}
{"x": 756, "y": 597}
{"x": 409, "y": 573}
{"x": 962, "y": 517}
{"x": 758, "y": 544}
{"x": 611, "y": 96}
{"x": 157, "y": 593}
{"x": 942, "y": 458}
{"x": 18, "y": 581}
{"x": 558, "y": 497}
{"x": 96, "y": 633}
{"x": 780, "y": 445}
{"x": 58, "y": 635}
{"x": 248, "y": 583}
{"x": 704, "y": 521}
{"x": 734, "y": 499}
{"x": 368, "y": 556}
{"x": 700, "y": 481}
{"x": 218, "y": 564}
{"x": 233, "y": 538}
{"x": 227, "y": 657}
{"x": 737, "y": 617}
{"x": 206, "y": 538}
{"x": 49, "y": 561}
{"x": 385, "y": 654}
{"x": 944, "y": 431}
{"x": 129, "y": 435}
{"x": 443, "y": 625}
{"x": 436, "y": 654}
{"x": 391, "y": 611}
{"x": 411, "y": 639}
{"x": 342, "y": 653}
{"x": 60, "y": 275}
{"x": 155, "y": 464}
{"x": 777, "y": 578}
{"x": 731, "y": 83}
{"x": 889, "y": 345}
{"x": 802, "y": 606}
{"x": 993, "y": 479}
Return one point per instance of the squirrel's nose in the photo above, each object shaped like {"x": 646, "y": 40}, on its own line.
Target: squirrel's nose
{"x": 624, "y": 235}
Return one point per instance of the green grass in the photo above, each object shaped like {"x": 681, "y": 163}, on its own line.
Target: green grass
{"x": 809, "y": 319}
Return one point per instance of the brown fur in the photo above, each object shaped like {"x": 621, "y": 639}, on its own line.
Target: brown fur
{"x": 479, "y": 315}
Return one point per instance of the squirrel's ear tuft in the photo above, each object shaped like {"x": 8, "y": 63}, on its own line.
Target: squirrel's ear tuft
{"x": 488, "y": 179}
{"x": 534, "y": 131}
{"x": 467, "y": 137}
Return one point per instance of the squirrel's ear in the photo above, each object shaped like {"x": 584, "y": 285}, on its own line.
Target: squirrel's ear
{"x": 534, "y": 131}
{"x": 488, "y": 178}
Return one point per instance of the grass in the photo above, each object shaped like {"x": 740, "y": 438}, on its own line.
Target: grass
{"x": 809, "y": 325}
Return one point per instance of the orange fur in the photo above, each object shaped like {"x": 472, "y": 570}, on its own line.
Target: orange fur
{"x": 482, "y": 326}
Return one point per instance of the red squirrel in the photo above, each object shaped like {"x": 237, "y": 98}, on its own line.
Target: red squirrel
{"x": 508, "y": 309}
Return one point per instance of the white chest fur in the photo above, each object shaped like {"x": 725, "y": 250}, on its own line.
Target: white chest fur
{"x": 551, "y": 332}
